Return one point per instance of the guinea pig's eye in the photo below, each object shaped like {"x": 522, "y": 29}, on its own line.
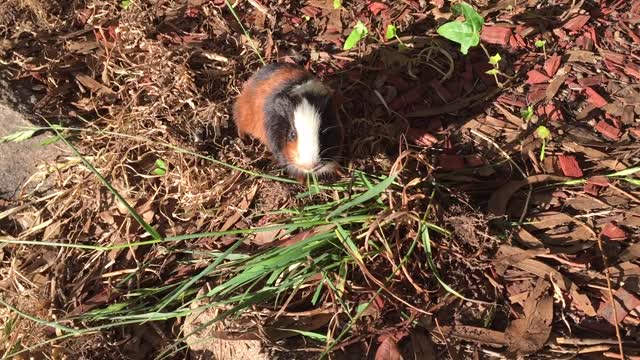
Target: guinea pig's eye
{"x": 292, "y": 134}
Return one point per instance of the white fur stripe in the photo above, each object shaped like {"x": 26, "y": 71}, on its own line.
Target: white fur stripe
{"x": 306, "y": 119}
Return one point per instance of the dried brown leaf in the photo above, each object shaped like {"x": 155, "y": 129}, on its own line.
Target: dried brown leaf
{"x": 500, "y": 198}
{"x": 529, "y": 333}
{"x": 508, "y": 255}
{"x": 388, "y": 350}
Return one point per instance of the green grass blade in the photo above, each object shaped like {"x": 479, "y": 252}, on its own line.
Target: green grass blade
{"x": 194, "y": 279}
{"x": 309, "y": 334}
{"x": 367, "y": 195}
{"x": 246, "y": 33}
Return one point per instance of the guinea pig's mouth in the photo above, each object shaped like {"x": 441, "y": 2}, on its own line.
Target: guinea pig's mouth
{"x": 322, "y": 170}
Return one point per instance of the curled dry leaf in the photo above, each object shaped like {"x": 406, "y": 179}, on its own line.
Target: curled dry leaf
{"x": 500, "y": 198}
{"x": 388, "y": 350}
{"x": 421, "y": 137}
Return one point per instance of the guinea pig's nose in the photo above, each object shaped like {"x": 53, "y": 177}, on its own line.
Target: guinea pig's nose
{"x": 307, "y": 166}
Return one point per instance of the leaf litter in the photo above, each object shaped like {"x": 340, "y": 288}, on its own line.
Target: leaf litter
{"x": 542, "y": 237}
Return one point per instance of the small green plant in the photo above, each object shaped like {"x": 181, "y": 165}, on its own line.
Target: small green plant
{"x": 161, "y": 168}
{"x": 467, "y": 32}
{"x": 527, "y": 113}
{"x": 125, "y": 4}
{"x": 337, "y": 4}
{"x": 543, "y": 134}
{"x": 495, "y": 62}
{"x": 542, "y": 44}
{"x": 392, "y": 33}
{"x": 358, "y": 33}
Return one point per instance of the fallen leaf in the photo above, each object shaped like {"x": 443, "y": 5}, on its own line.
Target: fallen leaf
{"x": 582, "y": 56}
{"x": 521, "y": 259}
{"x": 93, "y": 85}
{"x": 529, "y": 333}
{"x": 266, "y": 237}
{"x": 388, "y": 350}
{"x": 236, "y": 213}
{"x": 303, "y": 235}
{"x": 554, "y": 86}
{"x": 592, "y": 80}
{"x": 500, "y": 198}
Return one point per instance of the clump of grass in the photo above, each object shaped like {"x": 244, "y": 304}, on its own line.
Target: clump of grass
{"x": 332, "y": 249}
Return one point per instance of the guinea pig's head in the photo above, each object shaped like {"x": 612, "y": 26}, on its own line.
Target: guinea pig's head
{"x": 314, "y": 136}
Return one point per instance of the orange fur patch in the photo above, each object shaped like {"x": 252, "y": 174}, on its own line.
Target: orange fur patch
{"x": 249, "y": 107}
{"x": 291, "y": 151}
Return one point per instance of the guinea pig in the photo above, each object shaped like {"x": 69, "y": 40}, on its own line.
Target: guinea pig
{"x": 294, "y": 114}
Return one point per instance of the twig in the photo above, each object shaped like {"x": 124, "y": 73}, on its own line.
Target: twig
{"x": 611, "y": 299}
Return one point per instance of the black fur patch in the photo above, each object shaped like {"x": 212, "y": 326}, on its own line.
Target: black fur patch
{"x": 278, "y": 114}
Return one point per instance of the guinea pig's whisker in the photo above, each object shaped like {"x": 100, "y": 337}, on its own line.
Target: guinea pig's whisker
{"x": 329, "y": 149}
{"x": 329, "y": 128}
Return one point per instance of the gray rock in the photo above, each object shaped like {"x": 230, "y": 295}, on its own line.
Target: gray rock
{"x": 19, "y": 160}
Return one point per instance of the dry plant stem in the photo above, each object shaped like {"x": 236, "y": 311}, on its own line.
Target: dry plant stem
{"x": 444, "y": 338}
{"x": 611, "y": 299}
{"x": 624, "y": 193}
